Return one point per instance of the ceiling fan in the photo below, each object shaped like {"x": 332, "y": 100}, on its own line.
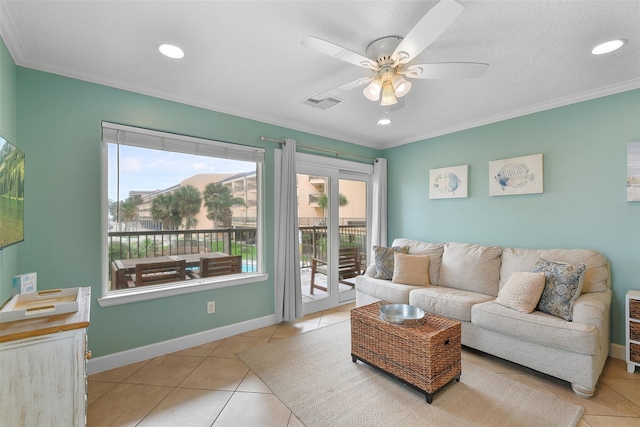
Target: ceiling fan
{"x": 389, "y": 57}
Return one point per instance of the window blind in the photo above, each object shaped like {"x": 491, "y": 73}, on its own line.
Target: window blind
{"x": 144, "y": 138}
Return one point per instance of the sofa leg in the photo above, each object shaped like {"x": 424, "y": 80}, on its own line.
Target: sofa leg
{"x": 583, "y": 391}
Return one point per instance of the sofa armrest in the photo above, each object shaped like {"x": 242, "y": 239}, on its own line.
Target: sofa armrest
{"x": 593, "y": 309}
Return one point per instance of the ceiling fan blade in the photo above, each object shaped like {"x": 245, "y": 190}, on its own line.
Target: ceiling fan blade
{"x": 336, "y": 91}
{"x": 338, "y": 52}
{"x": 446, "y": 70}
{"x": 428, "y": 28}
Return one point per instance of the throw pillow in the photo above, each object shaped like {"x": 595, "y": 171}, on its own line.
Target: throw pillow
{"x": 522, "y": 291}
{"x": 563, "y": 285}
{"x": 411, "y": 269}
{"x": 384, "y": 260}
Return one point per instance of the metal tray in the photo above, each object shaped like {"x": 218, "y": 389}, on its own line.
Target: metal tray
{"x": 402, "y": 314}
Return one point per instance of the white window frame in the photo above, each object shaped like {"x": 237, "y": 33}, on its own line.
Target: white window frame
{"x": 190, "y": 145}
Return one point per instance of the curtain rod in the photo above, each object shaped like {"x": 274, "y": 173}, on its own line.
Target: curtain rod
{"x": 326, "y": 150}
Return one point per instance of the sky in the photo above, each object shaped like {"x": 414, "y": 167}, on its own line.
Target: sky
{"x": 145, "y": 169}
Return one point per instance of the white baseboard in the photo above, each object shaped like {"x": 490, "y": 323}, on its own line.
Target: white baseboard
{"x": 618, "y": 351}
{"x": 116, "y": 360}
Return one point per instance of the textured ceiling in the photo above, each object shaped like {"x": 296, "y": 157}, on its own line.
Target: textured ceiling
{"x": 245, "y": 58}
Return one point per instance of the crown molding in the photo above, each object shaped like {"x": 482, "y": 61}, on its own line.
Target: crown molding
{"x": 524, "y": 111}
{"x": 17, "y": 51}
{"x": 10, "y": 35}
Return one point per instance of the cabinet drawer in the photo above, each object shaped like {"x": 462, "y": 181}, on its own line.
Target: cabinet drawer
{"x": 634, "y": 331}
{"x": 634, "y": 353}
{"x": 634, "y": 309}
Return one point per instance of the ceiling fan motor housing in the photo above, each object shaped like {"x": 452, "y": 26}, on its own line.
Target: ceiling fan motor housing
{"x": 380, "y": 50}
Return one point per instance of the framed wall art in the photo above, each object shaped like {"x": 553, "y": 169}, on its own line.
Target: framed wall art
{"x": 518, "y": 175}
{"x": 448, "y": 183}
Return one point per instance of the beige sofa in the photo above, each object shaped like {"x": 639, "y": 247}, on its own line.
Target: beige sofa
{"x": 464, "y": 282}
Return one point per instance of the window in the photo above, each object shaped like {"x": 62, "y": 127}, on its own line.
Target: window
{"x": 181, "y": 214}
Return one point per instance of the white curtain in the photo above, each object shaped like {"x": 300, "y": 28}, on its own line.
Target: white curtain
{"x": 379, "y": 214}
{"x": 288, "y": 282}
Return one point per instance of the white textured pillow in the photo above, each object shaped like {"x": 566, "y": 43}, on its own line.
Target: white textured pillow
{"x": 468, "y": 267}
{"x": 522, "y": 291}
{"x": 411, "y": 269}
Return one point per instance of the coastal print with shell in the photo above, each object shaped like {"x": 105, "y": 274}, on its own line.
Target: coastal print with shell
{"x": 518, "y": 175}
{"x": 563, "y": 285}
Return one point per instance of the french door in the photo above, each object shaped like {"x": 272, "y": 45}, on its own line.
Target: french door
{"x": 334, "y": 202}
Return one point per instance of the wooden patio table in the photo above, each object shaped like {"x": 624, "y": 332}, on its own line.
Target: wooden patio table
{"x": 121, "y": 267}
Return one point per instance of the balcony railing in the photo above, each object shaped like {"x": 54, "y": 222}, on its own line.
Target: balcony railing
{"x": 314, "y": 241}
{"x": 149, "y": 244}
{"x": 231, "y": 241}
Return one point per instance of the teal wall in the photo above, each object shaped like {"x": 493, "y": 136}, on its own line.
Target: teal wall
{"x": 584, "y": 202}
{"x": 56, "y": 121}
{"x": 59, "y": 123}
{"x": 9, "y": 255}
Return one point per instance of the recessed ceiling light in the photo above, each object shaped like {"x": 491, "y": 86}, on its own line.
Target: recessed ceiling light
{"x": 607, "y": 47}
{"x": 171, "y": 51}
{"x": 384, "y": 117}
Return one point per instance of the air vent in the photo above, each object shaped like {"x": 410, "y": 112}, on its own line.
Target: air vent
{"x": 323, "y": 104}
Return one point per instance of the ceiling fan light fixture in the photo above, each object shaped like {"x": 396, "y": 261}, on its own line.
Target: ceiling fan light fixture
{"x": 608, "y": 47}
{"x": 401, "y": 86}
{"x": 388, "y": 95}
{"x": 372, "y": 91}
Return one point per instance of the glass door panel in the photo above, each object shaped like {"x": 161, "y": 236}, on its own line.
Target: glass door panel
{"x": 315, "y": 238}
{"x": 352, "y": 219}
{"x": 333, "y": 206}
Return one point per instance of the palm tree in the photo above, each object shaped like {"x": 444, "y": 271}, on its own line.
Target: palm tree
{"x": 323, "y": 201}
{"x": 128, "y": 212}
{"x": 124, "y": 211}
{"x": 187, "y": 202}
{"x": 163, "y": 210}
{"x": 218, "y": 200}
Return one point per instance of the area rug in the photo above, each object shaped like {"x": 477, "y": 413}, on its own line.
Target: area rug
{"x": 312, "y": 373}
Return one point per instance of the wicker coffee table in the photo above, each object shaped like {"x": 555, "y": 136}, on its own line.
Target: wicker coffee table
{"x": 425, "y": 357}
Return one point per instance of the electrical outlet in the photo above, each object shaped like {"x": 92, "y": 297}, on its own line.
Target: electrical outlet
{"x": 211, "y": 307}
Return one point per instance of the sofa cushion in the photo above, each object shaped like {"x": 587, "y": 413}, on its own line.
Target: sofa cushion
{"x": 385, "y": 289}
{"x": 563, "y": 285}
{"x": 473, "y": 268}
{"x": 522, "y": 292}
{"x": 595, "y": 278}
{"x": 434, "y": 250}
{"x": 411, "y": 269}
{"x": 384, "y": 259}
{"x": 448, "y": 302}
{"x": 537, "y": 327}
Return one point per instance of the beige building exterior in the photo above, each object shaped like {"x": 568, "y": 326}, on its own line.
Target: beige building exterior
{"x": 245, "y": 187}
{"x": 198, "y": 181}
{"x": 311, "y": 188}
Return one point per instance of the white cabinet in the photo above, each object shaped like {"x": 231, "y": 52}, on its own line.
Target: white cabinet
{"x": 43, "y": 370}
{"x": 633, "y": 330}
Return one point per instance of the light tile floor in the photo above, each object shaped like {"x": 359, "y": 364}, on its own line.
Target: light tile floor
{"x": 209, "y": 386}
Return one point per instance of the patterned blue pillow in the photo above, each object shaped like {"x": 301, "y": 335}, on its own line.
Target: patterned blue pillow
{"x": 384, "y": 260}
{"x": 563, "y": 285}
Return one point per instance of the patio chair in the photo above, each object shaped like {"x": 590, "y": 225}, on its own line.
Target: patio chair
{"x": 348, "y": 267}
{"x": 220, "y": 266}
{"x": 154, "y": 273}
